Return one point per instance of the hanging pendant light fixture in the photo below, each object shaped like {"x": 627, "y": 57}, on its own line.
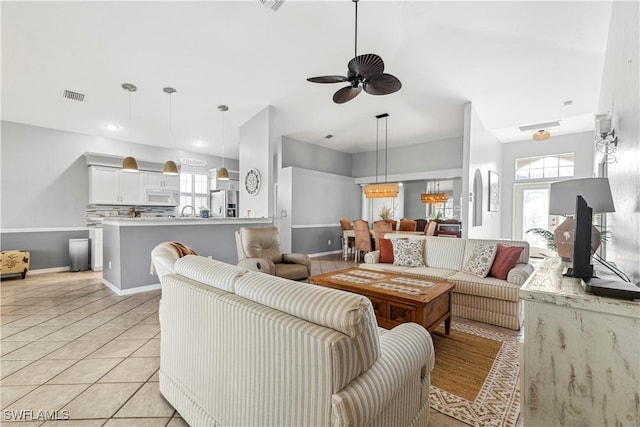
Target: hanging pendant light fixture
{"x": 223, "y": 173}
{"x": 129, "y": 164}
{"x": 170, "y": 167}
{"x": 386, "y": 189}
{"x": 434, "y": 196}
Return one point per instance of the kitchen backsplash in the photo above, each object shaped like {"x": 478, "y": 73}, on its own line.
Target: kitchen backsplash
{"x": 96, "y": 213}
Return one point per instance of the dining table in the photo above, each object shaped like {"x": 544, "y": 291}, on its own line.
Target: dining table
{"x": 388, "y": 234}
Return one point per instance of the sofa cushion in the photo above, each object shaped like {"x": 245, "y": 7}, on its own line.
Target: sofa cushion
{"x": 444, "y": 252}
{"x": 408, "y": 253}
{"x": 481, "y": 260}
{"x": 490, "y": 287}
{"x": 386, "y": 251}
{"x": 387, "y": 267}
{"x": 209, "y": 271}
{"x": 506, "y": 258}
{"x": 436, "y": 273}
{"x": 472, "y": 243}
{"x": 292, "y": 271}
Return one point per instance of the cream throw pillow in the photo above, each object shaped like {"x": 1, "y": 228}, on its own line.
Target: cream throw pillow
{"x": 408, "y": 252}
{"x": 481, "y": 260}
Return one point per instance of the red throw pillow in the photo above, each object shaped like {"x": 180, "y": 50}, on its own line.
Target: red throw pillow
{"x": 506, "y": 258}
{"x": 386, "y": 251}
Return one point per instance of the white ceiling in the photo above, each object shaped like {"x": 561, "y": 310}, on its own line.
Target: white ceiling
{"x": 516, "y": 61}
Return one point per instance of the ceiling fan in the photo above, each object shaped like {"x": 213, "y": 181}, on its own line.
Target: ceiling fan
{"x": 364, "y": 72}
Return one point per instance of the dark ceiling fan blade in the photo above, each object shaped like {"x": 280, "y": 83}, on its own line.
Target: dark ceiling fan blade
{"x": 381, "y": 84}
{"x": 327, "y": 79}
{"x": 369, "y": 63}
{"x": 346, "y": 94}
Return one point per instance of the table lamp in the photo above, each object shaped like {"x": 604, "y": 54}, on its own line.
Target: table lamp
{"x": 595, "y": 191}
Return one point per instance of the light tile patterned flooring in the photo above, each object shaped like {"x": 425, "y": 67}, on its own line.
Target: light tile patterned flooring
{"x": 70, "y": 345}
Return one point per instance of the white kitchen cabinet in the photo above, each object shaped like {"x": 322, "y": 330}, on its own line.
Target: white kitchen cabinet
{"x": 95, "y": 235}
{"x": 159, "y": 180}
{"x": 224, "y": 184}
{"x": 112, "y": 186}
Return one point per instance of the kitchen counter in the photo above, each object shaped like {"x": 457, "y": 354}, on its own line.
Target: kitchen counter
{"x": 154, "y": 221}
{"x": 128, "y": 242}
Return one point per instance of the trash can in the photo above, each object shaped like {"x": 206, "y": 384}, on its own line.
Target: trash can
{"x": 79, "y": 254}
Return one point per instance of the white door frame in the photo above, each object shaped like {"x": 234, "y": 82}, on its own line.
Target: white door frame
{"x": 517, "y": 225}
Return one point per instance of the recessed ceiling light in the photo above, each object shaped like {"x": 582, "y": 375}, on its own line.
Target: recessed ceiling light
{"x": 568, "y": 103}
{"x": 111, "y": 127}
{"x": 199, "y": 143}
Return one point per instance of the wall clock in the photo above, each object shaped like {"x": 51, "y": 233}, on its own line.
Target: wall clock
{"x": 252, "y": 182}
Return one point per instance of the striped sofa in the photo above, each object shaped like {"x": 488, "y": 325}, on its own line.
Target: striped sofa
{"x": 244, "y": 348}
{"x": 489, "y": 300}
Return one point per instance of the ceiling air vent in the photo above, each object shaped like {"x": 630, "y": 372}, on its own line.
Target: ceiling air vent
{"x": 272, "y": 4}
{"x": 74, "y": 96}
{"x": 539, "y": 126}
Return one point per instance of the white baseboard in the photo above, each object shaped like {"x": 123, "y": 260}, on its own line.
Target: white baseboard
{"x": 325, "y": 253}
{"x": 49, "y": 270}
{"x": 122, "y": 292}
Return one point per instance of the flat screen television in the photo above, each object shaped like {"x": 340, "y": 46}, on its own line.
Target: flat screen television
{"x": 582, "y": 267}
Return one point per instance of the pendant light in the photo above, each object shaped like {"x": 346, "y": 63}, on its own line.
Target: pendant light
{"x": 129, "y": 164}
{"x": 434, "y": 196}
{"x": 386, "y": 189}
{"x": 223, "y": 173}
{"x": 170, "y": 167}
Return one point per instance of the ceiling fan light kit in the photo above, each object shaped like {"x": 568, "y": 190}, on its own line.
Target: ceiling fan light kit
{"x": 365, "y": 72}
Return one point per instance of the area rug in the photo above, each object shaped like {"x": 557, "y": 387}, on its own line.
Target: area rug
{"x": 475, "y": 378}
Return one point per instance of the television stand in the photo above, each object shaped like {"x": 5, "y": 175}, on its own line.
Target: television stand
{"x": 580, "y": 351}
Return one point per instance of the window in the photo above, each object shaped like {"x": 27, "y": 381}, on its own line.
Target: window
{"x": 194, "y": 191}
{"x": 554, "y": 166}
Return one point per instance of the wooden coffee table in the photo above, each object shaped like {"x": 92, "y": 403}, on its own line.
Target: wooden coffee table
{"x": 396, "y": 298}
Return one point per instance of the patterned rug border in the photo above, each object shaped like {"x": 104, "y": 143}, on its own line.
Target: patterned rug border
{"x": 498, "y": 402}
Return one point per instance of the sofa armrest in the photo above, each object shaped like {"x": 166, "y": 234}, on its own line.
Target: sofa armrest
{"x": 520, "y": 273}
{"x": 372, "y": 257}
{"x": 298, "y": 259}
{"x": 406, "y": 352}
{"x": 261, "y": 265}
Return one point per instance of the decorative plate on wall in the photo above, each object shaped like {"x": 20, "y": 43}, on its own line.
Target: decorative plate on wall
{"x": 252, "y": 182}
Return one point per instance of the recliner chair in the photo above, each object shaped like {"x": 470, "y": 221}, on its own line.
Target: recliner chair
{"x": 259, "y": 250}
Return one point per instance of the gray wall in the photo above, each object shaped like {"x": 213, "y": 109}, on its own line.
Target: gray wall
{"x": 413, "y": 206}
{"x": 45, "y": 185}
{"x": 427, "y": 156}
{"x": 620, "y": 96}
{"x": 309, "y": 156}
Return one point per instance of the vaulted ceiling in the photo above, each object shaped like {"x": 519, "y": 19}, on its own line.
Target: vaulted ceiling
{"x": 518, "y": 62}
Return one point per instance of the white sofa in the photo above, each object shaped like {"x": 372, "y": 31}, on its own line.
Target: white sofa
{"x": 489, "y": 300}
{"x": 244, "y": 348}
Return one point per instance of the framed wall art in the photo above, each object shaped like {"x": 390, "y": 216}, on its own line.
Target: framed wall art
{"x": 494, "y": 192}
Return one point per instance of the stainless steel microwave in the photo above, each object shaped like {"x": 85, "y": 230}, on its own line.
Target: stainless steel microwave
{"x": 160, "y": 197}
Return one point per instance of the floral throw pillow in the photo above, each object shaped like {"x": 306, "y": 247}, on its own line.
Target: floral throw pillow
{"x": 408, "y": 252}
{"x": 481, "y": 260}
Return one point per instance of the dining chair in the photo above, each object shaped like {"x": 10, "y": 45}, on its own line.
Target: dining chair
{"x": 421, "y": 224}
{"x": 408, "y": 225}
{"x": 345, "y": 224}
{"x": 363, "y": 237}
{"x": 430, "y": 229}
{"x": 393, "y": 223}
{"x": 379, "y": 229}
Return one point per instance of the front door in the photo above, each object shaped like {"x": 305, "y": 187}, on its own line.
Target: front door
{"x": 531, "y": 210}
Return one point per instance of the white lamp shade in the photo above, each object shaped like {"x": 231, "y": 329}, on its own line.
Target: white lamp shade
{"x": 595, "y": 191}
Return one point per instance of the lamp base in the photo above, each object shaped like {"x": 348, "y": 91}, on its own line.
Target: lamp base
{"x": 564, "y": 237}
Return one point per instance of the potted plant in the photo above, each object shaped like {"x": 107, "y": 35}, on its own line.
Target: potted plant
{"x": 385, "y": 212}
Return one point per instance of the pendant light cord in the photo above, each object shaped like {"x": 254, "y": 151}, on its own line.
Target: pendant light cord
{"x": 386, "y": 135}
{"x": 377, "y": 134}
{"x": 223, "y": 139}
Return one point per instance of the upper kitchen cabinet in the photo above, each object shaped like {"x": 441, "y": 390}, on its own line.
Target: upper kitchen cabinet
{"x": 112, "y": 186}
{"x": 160, "y": 180}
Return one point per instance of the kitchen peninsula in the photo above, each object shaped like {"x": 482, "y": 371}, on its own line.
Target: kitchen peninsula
{"x": 128, "y": 243}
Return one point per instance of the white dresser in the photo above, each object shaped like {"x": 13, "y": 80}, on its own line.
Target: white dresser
{"x": 581, "y": 354}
